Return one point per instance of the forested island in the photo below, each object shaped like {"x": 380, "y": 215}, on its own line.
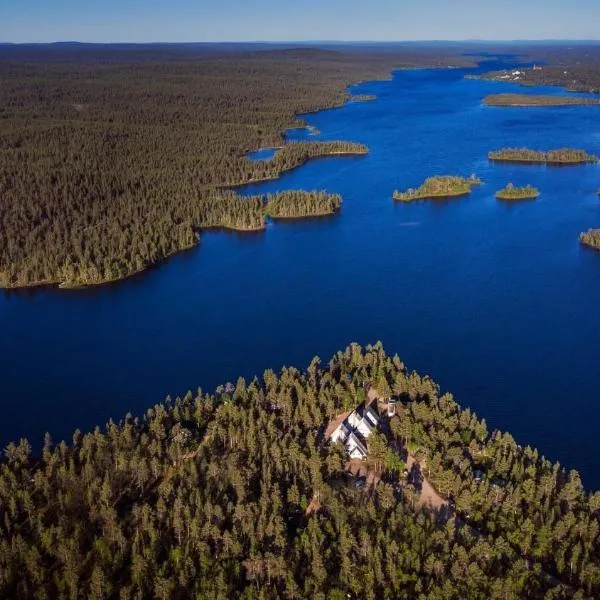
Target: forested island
{"x": 562, "y": 156}
{"x": 302, "y": 204}
{"x": 525, "y": 100}
{"x": 511, "y": 192}
{"x": 591, "y": 238}
{"x": 444, "y": 186}
{"x": 239, "y": 494}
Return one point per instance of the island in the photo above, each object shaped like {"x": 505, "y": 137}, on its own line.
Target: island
{"x": 562, "y": 156}
{"x": 297, "y": 483}
{"x": 529, "y": 100}
{"x": 300, "y": 204}
{"x": 591, "y": 238}
{"x": 511, "y": 192}
{"x": 444, "y": 186}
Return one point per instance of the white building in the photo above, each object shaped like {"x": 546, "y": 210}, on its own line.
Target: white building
{"x": 355, "y": 448}
{"x": 341, "y": 433}
{"x": 352, "y": 432}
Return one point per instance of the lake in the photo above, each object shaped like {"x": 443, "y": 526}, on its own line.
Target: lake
{"x": 498, "y": 302}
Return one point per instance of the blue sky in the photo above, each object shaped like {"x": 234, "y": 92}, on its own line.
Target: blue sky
{"x": 286, "y": 20}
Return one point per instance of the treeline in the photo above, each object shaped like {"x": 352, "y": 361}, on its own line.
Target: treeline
{"x": 297, "y": 203}
{"x": 538, "y": 100}
{"x": 591, "y": 238}
{"x": 295, "y": 154}
{"x": 439, "y": 187}
{"x": 108, "y": 165}
{"x": 552, "y": 157}
{"x": 236, "y": 494}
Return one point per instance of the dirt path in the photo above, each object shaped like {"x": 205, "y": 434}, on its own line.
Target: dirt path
{"x": 428, "y": 495}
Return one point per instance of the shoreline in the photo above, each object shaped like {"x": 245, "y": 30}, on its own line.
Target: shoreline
{"x": 65, "y": 286}
{"x": 543, "y": 163}
{"x": 304, "y": 217}
{"x": 275, "y": 177}
{"x": 440, "y": 196}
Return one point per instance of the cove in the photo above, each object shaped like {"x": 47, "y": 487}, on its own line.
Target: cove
{"x": 497, "y": 302}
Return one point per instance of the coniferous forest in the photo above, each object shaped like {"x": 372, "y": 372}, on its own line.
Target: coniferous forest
{"x": 238, "y": 494}
{"x": 111, "y": 160}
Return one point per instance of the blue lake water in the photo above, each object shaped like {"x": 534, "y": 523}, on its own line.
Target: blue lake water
{"x": 498, "y": 302}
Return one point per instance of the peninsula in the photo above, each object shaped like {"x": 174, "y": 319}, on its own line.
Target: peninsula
{"x": 445, "y": 186}
{"x": 298, "y": 484}
{"x": 562, "y": 156}
{"x": 511, "y": 192}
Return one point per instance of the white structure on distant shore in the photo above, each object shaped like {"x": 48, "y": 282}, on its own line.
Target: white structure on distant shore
{"x": 352, "y": 432}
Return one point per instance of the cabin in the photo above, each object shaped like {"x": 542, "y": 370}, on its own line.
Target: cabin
{"x": 364, "y": 420}
{"x": 340, "y": 433}
{"x": 355, "y": 430}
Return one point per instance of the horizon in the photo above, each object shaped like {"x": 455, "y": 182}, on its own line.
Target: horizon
{"x": 277, "y": 21}
{"x": 298, "y": 42}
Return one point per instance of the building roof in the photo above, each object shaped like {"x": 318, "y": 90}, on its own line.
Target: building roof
{"x": 371, "y": 414}
{"x": 354, "y": 442}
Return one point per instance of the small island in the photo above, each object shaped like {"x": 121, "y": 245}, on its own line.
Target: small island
{"x": 511, "y": 192}
{"x": 300, "y": 204}
{"x": 562, "y": 156}
{"x": 530, "y": 100}
{"x": 444, "y": 186}
{"x": 591, "y": 238}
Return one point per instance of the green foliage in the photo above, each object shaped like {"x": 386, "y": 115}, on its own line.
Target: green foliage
{"x": 299, "y": 204}
{"x": 237, "y": 495}
{"x": 109, "y": 164}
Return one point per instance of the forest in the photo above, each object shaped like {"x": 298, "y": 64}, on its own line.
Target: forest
{"x": 237, "y": 494}
{"x": 443, "y": 186}
{"x": 562, "y": 156}
{"x": 113, "y": 159}
{"x": 300, "y": 204}
{"x": 537, "y": 100}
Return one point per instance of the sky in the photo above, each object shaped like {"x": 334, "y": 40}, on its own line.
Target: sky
{"x": 295, "y": 20}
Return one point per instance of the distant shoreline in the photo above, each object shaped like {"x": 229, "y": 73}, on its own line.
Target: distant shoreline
{"x": 537, "y": 101}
